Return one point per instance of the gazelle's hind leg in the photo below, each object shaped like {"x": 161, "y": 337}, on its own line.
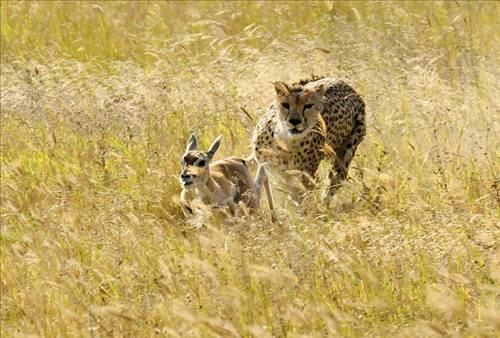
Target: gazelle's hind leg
{"x": 262, "y": 179}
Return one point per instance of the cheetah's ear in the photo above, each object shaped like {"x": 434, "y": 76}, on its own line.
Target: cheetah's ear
{"x": 321, "y": 90}
{"x": 192, "y": 143}
{"x": 213, "y": 148}
{"x": 281, "y": 88}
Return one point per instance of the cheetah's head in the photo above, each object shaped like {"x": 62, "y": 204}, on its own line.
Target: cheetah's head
{"x": 298, "y": 109}
{"x": 195, "y": 164}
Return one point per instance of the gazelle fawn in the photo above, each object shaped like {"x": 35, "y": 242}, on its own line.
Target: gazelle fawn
{"x": 222, "y": 184}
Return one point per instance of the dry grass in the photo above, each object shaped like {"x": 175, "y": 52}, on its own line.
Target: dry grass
{"x": 97, "y": 102}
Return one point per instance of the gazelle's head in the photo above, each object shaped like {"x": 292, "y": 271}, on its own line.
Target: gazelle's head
{"x": 195, "y": 169}
{"x": 298, "y": 108}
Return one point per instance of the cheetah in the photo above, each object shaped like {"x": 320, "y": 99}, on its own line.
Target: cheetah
{"x": 311, "y": 120}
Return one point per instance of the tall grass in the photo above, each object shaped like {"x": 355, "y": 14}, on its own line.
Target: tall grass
{"x": 97, "y": 102}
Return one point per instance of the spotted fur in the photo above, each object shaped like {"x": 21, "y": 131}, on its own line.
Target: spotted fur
{"x": 332, "y": 115}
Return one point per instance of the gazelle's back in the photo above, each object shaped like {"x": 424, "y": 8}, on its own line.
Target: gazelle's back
{"x": 236, "y": 170}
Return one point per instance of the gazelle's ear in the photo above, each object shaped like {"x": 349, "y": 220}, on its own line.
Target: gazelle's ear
{"x": 192, "y": 143}
{"x": 213, "y": 148}
{"x": 281, "y": 88}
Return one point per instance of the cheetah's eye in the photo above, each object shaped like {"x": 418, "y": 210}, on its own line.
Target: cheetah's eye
{"x": 201, "y": 163}
{"x": 285, "y": 105}
{"x": 307, "y": 106}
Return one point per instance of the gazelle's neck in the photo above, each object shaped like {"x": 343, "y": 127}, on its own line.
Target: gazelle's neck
{"x": 212, "y": 186}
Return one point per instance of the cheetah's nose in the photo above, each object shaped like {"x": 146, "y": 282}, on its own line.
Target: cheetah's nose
{"x": 294, "y": 122}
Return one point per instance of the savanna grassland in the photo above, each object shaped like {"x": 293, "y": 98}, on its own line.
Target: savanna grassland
{"x": 98, "y": 101}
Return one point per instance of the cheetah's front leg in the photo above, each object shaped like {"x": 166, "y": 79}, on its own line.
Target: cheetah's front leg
{"x": 343, "y": 157}
{"x": 337, "y": 173}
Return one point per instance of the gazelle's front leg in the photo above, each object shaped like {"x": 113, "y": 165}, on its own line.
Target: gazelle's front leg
{"x": 185, "y": 207}
{"x": 186, "y": 210}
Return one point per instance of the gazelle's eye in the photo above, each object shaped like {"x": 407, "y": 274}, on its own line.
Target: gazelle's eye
{"x": 201, "y": 163}
{"x": 307, "y": 106}
{"x": 285, "y": 105}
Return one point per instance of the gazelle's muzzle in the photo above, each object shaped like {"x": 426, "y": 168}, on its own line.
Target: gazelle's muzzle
{"x": 186, "y": 180}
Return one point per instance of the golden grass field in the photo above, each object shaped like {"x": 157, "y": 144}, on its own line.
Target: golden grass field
{"x": 99, "y": 99}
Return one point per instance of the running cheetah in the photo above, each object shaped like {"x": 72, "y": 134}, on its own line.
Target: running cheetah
{"x": 311, "y": 120}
